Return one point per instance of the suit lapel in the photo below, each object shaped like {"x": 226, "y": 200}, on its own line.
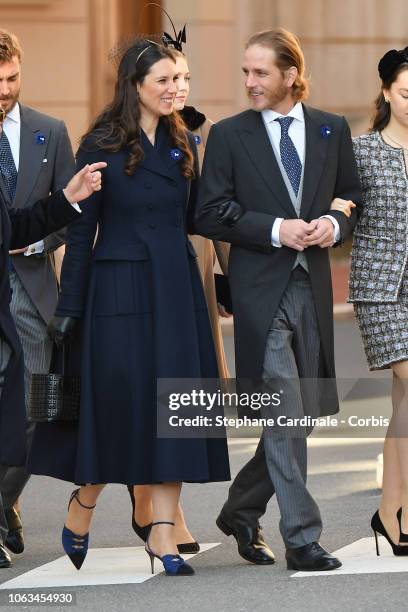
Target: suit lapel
{"x": 316, "y": 151}
{"x": 32, "y": 154}
{"x": 257, "y": 144}
{"x": 158, "y": 159}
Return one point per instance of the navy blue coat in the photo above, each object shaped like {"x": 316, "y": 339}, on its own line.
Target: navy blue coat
{"x": 18, "y": 228}
{"x": 143, "y": 316}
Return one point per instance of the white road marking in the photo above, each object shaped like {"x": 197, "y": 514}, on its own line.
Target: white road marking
{"x": 127, "y": 565}
{"x": 360, "y": 558}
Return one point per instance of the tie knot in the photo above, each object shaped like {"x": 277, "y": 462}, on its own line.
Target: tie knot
{"x": 284, "y": 123}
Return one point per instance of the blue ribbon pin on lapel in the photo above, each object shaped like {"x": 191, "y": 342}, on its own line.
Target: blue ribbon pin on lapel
{"x": 325, "y": 131}
{"x": 197, "y": 139}
{"x": 176, "y": 154}
{"x": 40, "y": 138}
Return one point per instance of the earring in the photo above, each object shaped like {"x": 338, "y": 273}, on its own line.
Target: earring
{"x": 386, "y": 100}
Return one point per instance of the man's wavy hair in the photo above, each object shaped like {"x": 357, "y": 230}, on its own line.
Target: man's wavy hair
{"x": 9, "y": 46}
{"x": 118, "y": 126}
{"x": 288, "y": 53}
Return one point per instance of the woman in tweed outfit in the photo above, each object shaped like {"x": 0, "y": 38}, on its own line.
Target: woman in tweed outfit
{"x": 379, "y": 278}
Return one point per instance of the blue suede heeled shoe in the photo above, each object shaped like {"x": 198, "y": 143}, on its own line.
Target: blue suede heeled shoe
{"x": 76, "y": 546}
{"x": 174, "y": 565}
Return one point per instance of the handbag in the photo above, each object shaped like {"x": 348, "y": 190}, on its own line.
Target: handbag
{"x": 54, "y": 396}
{"x": 223, "y": 292}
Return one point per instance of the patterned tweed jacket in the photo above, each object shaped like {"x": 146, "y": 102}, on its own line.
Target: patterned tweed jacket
{"x": 380, "y": 244}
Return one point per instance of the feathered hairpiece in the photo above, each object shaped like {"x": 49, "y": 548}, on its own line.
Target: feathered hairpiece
{"x": 179, "y": 39}
{"x": 389, "y": 63}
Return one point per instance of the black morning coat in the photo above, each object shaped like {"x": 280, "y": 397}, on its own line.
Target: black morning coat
{"x": 18, "y": 228}
{"x": 240, "y": 166}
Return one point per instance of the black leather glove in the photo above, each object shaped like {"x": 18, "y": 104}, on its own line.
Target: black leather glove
{"x": 60, "y": 328}
{"x": 229, "y": 213}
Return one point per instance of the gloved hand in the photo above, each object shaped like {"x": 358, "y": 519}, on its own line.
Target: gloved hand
{"x": 229, "y": 213}
{"x": 60, "y": 328}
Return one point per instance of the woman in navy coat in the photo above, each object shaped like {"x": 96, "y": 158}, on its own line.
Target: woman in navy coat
{"x": 143, "y": 313}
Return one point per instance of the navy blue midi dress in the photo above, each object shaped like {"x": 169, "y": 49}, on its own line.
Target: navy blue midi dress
{"x": 143, "y": 316}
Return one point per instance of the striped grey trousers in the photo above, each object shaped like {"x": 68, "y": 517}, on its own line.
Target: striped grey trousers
{"x": 280, "y": 462}
{"x": 37, "y": 348}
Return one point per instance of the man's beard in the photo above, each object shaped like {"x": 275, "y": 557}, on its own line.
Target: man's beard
{"x": 8, "y": 104}
{"x": 273, "y": 97}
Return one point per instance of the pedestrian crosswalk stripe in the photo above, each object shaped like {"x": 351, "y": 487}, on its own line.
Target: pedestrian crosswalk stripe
{"x": 360, "y": 558}
{"x": 102, "y": 566}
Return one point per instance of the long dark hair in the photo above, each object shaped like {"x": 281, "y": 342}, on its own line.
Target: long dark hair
{"x": 382, "y": 113}
{"x": 118, "y": 125}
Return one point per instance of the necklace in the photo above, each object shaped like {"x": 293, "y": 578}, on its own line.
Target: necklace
{"x": 397, "y": 143}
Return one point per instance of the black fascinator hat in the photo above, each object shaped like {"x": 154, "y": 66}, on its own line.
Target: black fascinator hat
{"x": 390, "y": 62}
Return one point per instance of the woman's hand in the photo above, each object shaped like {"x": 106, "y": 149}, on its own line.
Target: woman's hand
{"x": 60, "y": 328}
{"x": 343, "y": 206}
{"x": 85, "y": 182}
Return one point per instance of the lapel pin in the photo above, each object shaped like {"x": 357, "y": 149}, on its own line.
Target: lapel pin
{"x": 176, "y": 154}
{"x": 40, "y": 138}
{"x": 197, "y": 139}
{"x": 45, "y": 160}
{"x": 325, "y": 131}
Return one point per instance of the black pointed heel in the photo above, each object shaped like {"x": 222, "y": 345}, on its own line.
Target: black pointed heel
{"x": 378, "y": 527}
{"x": 76, "y": 546}
{"x": 403, "y": 538}
{"x": 174, "y": 565}
{"x": 141, "y": 531}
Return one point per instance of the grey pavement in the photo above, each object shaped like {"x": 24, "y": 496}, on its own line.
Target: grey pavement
{"x": 341, "y": 477}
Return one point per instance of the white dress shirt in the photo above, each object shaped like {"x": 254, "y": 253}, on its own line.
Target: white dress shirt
{"x": 12, "y": 129}
{"x": 297, "y": 134}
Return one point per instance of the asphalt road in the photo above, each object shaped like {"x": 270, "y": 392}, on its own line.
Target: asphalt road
{"x": 342, "y": 479}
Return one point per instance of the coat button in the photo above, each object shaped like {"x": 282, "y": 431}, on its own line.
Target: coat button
{"x": 148, "y": 185}
{"x": 152, "y": 226}
{"x": 150, "y": 206}
{"x": 177, "y": 205}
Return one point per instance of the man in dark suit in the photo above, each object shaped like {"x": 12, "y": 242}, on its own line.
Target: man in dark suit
{"x": 269, "y": 177}
{"x": 18, "y": 227}
{"x": 36, "y": 159}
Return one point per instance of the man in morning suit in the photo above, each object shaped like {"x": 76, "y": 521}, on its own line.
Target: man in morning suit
{"x": 269, "y": 177}
{"x": 36, "y": 159}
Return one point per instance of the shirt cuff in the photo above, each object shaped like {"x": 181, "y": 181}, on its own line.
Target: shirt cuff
{"x": 74, "y": 204}
{"x": 275, "y": 232}
{"x": 37, "y": 247}
{"x": 336, "y": 226}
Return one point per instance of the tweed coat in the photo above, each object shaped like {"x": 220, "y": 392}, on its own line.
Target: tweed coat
{"x": 380, "y": 245}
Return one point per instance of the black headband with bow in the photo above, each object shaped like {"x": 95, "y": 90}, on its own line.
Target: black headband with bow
{"x": 177, "y": 42}
{"x": 179, "y": 39}
{"x": 389, "y": 63}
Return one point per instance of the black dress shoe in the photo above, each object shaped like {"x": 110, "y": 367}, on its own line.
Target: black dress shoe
{"x": 15, "y": 538}
{"x": 311, "y": 558}
{"x": 251, "y": 545}
{"x": 5, "y": 560}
